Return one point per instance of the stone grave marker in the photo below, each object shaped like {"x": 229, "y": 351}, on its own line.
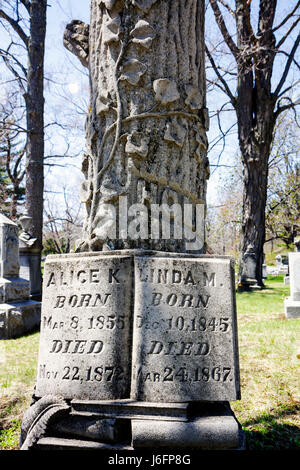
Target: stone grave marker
{"x": 138, "y": 342}
{"x": 29, "y": 259}
{"x": 18, "y": 313}
{"x": 292, "y": 303}
{"x": 86, "y": 327}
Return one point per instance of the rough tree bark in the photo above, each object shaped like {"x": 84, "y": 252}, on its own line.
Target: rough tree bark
{"x": 145, "y": 132}
{"x": 257, "y": 107}
{"x": 35, "y": 118}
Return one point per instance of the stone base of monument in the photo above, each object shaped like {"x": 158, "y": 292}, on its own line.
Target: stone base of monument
{"x": 130, "y": 425}
{"x": 138, "y": 349}
{"x": 19, "y": 318}
{"x": 291, "y": 308}
{"x": 18, "y": 313}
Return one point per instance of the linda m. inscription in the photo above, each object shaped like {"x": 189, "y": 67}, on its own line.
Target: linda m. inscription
{"x": 86, "y": 327}
{"x": 184, "y": 342}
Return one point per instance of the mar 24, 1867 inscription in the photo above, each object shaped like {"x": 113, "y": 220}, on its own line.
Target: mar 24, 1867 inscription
{"x": 85, "y": 344}
{"x": 184, "y": 344}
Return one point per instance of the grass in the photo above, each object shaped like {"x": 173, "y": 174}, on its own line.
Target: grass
{"x": 18, "y": 360}
{"x": 269, "y": 349}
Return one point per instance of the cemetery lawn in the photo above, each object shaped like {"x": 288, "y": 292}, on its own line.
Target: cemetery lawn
{"x": 269, "y": 348}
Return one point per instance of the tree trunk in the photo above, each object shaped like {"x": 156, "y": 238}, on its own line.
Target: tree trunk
{"x": 255, "y": 174}
{"x": 255, "y": 112}
{"x": 35, "y": 119}
{"x": 145, "y": 131}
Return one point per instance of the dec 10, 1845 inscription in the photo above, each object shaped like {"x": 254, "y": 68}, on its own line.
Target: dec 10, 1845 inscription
{"x": 85, "y": 327}
{"x": 175, "y": 341}
{"x": 184, "y": 343}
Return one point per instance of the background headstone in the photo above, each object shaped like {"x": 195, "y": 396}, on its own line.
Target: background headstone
{"x": 292, "y": 303}
{"x": 29, "y": 259}
{"x": 282, "y": 263}
{"x": 18, "y": 314}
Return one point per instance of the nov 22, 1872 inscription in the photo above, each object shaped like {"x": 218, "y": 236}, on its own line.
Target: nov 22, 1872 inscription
{"x": 151, "y": 327}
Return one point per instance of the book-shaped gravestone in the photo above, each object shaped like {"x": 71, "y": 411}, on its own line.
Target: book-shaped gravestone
{"x": 148, "y": 327}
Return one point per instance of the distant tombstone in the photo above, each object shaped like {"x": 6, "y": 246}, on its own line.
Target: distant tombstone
{"x": 29, "y": 258}
{"x": 297, "y": 243}
{"x": 282, "y": 263}
{"x": 292, "y": 303}
{"x": 248, "y": 275}
{"x": 264, "y": 269}
{"x": 18, "y": 314}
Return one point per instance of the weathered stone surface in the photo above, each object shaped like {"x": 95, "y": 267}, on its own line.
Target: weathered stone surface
{"x": 86, "y": 327}
{"x": 30, "y": 259}
{"x": 18, "y": 318}
{"x": 9, "y": 248}
{"x": 208, "y": 432}
{"x": 145, "y": 132}
{"x": 248, "y": 274}
{"x": 184, "y": 342}
{"x": 56, "y": 443}
{"x": 131, "y": 409}
{"x": 14, "y": 289}
{"x": 104, "y": 430}
{"x": 294, "y": 271}
{"x": 292, "y": 303}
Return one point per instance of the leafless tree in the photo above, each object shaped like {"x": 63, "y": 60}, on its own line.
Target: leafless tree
{"x": 260, "y": 96}
{"x": 25, "y": 24}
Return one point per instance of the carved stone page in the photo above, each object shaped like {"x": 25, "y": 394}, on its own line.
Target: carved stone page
{"x": 85, "y": 327}
{"x": 184, "y": 344}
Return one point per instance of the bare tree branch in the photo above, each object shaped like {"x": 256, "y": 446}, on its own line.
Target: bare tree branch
{"x": 287, "y": 66}
{"x": 225, "y": 4}
{"x": 214, "y": 66}
{"x": 286, "y": 18}
{"x": 223, "y": 28}
{"x": 15, "y": 25}
{"x": 287, "y": 33}
{"x": 26, "y": 4}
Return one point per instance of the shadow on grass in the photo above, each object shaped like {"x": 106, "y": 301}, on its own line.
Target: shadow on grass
{"x": 264, "y": 432}
{"x": 7, "y": 407}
